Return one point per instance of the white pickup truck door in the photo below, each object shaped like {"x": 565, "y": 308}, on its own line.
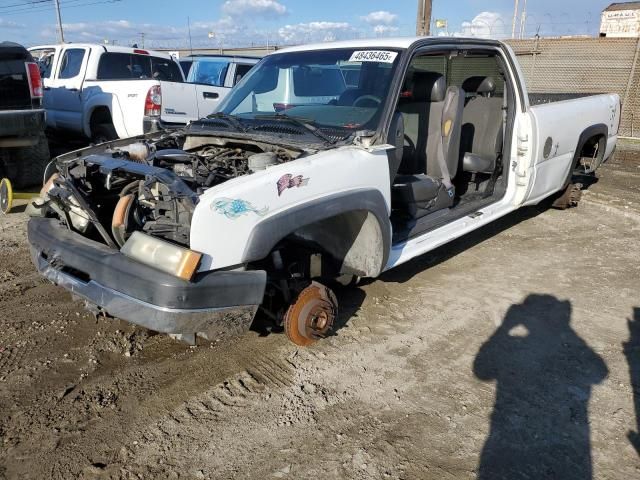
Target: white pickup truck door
{"x": 209, "y": 97}
{"x": 65, "y": 89}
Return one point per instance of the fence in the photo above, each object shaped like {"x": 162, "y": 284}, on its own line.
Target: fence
{"x": 562, "y": 68}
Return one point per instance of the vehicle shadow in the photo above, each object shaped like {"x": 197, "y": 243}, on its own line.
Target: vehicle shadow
{"x": 544, "y": 373}
{"x": 632, "y": 352}
{"x": 405, "y": 272}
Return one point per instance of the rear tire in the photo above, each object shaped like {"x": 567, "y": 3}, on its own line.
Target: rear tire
{"x": 25, "y": 166}
{"x": 102, "y": 133}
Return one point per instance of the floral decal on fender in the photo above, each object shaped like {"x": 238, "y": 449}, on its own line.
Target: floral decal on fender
{"x": 289, "y": 181}
{"x": 234, "y": 208}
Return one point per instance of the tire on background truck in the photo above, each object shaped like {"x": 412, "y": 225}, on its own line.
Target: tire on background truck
{"x": 25, "y": 166}
{"x": 102, "y": 133}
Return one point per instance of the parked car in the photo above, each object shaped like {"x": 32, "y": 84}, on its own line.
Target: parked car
{"x": 105, "y": 92}
{"x": 211, "y": 77}
{"x": 192, "y": 231}
{"x": 24, "y": 151}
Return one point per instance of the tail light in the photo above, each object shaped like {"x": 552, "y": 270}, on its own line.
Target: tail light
{"x": 35, "y": 80}
{"x": 153, "y": 103}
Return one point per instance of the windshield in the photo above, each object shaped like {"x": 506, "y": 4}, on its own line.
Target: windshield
{"x": 342, "y": 89}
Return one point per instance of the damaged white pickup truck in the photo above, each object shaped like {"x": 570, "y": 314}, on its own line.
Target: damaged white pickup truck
{"x": 325, "y": 161}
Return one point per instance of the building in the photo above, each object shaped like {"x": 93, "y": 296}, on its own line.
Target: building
{"x": 621, "y": 20}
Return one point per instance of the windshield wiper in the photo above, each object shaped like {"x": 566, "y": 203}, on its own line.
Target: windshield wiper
{"x": 306, "y": 124}
{"x": 230, "y": 119}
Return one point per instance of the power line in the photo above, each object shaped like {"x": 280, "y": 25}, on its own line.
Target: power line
{"x": 65, "y": 4}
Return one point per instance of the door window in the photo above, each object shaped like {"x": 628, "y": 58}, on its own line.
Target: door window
{"x": 71, "y": 63}
{"x": 241, "y": 70}
{"x": 209, "y": 72}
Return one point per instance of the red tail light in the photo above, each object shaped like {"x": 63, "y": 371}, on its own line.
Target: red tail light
{"x": 153, "y": 103}
{"x": 141, "y": 52}
{"x": 35, "y": 80}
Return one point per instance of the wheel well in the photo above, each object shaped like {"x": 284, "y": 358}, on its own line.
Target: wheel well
{"x": 353, "y": 240}
{"x": 594, "y": 146}
{"x": 100, "y": 116}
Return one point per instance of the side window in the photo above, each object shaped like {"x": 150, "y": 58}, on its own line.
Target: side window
{"x": 426, "y": 64}
{"x": 46, "y": 64}
{"x": 241, "y": 70}
{"x": 462, "y": 67}
{"x": 165, "y": 69}
{"x": 209, "y": 72}
{"x": 123, "y": 66}
{"x": 71, "y": 62}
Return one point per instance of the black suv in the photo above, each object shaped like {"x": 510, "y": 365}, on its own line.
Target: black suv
{"x": 24, "y": 151}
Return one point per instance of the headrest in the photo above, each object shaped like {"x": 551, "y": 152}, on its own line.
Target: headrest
{"x": 429, "y": 87}
{"x": 481, "y": 85}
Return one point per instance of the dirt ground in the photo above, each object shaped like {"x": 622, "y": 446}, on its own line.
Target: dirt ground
{"x": 511, "y": 353}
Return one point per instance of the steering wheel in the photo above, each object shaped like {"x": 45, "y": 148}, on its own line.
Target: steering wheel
{"x": 364, "y": 98}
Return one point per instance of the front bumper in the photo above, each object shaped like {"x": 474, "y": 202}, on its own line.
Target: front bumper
{"x": 215, "y": 304}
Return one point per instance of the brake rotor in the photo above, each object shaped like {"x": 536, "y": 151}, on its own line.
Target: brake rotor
{"x": 311, "y": 316}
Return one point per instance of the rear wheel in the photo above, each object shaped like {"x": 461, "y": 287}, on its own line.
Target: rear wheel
{"x": 312, "y": 315}
{"x": 103, "y": 133}
{"x": 25, "y": 166}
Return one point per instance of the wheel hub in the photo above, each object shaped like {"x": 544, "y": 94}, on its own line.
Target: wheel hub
{"x": 312, "y": 315}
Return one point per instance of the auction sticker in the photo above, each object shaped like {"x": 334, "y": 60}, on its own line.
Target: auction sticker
{"x": 380, "y": 56}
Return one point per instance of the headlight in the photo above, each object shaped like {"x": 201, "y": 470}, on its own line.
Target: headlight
{"x": 165, "y": 256}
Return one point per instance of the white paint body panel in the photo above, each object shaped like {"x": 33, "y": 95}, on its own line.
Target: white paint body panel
{"x": 223, "y": 240}
{"x": 564, "y": 122}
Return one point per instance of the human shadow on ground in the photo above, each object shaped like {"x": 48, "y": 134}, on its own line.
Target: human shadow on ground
{"x": 544, "y": 373}
{"x": 632, "y": 352}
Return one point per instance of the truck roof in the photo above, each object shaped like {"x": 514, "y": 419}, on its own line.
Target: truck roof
{"x": 107, "y": 48}
{"x": 393, "y": 43}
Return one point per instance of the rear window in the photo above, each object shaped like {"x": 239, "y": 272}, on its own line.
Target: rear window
{"x": 128, "y": 66}
{"x": 318, "y": 81}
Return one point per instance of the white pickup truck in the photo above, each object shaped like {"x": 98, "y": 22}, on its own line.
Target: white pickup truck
{"x": 107, "y": 92}
{"x": 263, "y": 207}
{"x": 104, "y": 92}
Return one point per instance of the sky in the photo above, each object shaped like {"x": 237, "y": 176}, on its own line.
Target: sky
{"x": 167, "y": 24}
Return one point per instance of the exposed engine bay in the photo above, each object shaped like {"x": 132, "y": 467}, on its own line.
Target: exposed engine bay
{"x": 150, "y": 185}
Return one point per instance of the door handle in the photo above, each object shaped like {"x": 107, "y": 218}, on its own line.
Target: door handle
{"x": 212, "y": 95}
{"x": 73, "y": 90}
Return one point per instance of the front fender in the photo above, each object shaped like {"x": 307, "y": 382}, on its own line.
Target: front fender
{"x": 241, "y": 220}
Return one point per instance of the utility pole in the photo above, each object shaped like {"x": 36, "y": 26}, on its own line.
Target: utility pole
{"x": 423, "y": 22}
{"x": 523, "y": 20}
{"x": 515, "y": 20}
{"x": 57, "y": 2}
{"x": 141, "y": 39}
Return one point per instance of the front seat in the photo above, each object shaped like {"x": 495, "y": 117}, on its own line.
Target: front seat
{"x": 433, "y": 122}
{"x": 482, "y": 134}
